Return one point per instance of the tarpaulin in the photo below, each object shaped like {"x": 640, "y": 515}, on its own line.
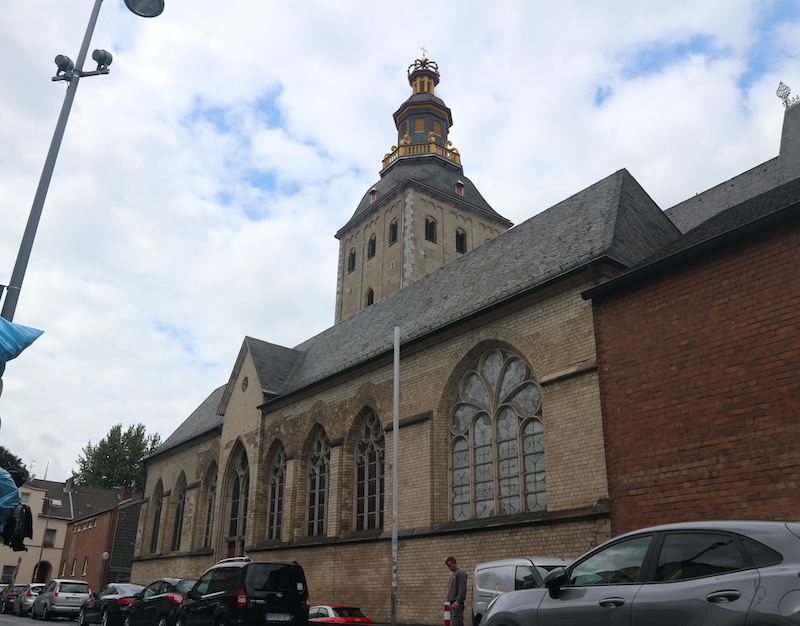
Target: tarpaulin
{"x": 14, "y": 338}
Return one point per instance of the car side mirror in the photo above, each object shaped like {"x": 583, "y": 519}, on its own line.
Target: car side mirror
{"x": 554, "y": 580}
{"x": 137, "y": 595}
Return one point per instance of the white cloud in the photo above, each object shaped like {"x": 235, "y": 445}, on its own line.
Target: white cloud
{"x": 200, "y": 183}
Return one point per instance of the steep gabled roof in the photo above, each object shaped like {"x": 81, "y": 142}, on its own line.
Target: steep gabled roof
{"x": 763, "y": 211}
{"x": 612, "y": 220}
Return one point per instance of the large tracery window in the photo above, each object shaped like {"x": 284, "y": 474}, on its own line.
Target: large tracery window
{"x": 369, "y": 475}
{"x": 497, "y": 445}
{"x": 158, "y": 501}
{"x": 318, "y": 472}
{"x": 277, "y": 482}
{"x": 177, "y": 529}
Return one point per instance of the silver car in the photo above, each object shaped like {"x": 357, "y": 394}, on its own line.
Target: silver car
{"x": 24, "y": 600}
{"x": 698, "y": 573}
{"x": 60, "y": 597}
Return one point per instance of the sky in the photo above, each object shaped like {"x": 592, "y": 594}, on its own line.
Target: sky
{"x": 200, "y": 183}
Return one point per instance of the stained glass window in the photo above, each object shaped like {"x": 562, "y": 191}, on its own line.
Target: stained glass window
{"x": 277, "y": 482}
{"x": 497, "y": 440}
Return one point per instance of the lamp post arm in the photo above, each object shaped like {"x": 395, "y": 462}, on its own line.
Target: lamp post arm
{"x": 17, "y": 276}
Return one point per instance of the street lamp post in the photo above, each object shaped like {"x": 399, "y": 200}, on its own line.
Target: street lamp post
{"x": 70, "y": 73}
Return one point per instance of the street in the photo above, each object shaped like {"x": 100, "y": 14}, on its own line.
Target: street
{"x": 8, "y": 619}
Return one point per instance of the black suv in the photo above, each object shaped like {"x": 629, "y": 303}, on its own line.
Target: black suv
{"x": 243, "y": 592}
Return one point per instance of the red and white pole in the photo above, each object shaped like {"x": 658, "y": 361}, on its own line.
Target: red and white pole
{"x": 446, "y": 614}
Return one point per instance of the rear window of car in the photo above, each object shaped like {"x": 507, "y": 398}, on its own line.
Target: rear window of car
{"x": 185, "y": 585}
{"x": 274, "y": 577}
{"x": 73, "y": 588}
{"x": 348, "y": 611}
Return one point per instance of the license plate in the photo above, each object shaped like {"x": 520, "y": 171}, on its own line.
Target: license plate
{"x": 278, "y": 617}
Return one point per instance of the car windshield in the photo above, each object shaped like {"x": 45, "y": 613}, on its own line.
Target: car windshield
{"x": 274, "y": 577}
{"x": 348, "y": 611}
{"x": 73, "y": 588}
{"x": 128, "y": 590}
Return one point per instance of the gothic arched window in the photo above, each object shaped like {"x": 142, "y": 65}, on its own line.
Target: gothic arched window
{"x": 497, "y": 440}
{"x": 351, "y": 261}
{"x": 277, "y": 482}
{"x": 177, "y": 528}
{"x": 157, "y": 502}
{"x": 461, "y": 241}
{"x": 318, "y": 472}
{"x": 370, "y": 297}
{"x": 211, "y": 498}
{"x": 372, "y": 245}
{"x": 239, "y": 493}
{"x": 392, "y": 232}
{"x": 369, "y": 475}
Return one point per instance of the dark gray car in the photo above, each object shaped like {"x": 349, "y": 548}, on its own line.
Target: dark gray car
{"x": 697, "y": 573}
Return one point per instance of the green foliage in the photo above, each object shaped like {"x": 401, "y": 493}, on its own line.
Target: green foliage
{"x": 116, "y": 461}
{"x": 7, "y": 459}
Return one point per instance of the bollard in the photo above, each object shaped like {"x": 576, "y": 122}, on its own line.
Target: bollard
{"x": 446, "y": 614}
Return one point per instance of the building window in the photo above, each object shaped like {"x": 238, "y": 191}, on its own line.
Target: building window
{"x": 49, "y": 538}
{"x": 319, "y": 468}
{"x": 419, "y": 125}
{"x": 430, "y": 229}
{"x": 351, "y": 261}
{"x": 63, "y": 568}
{"x": 177, "y": 529}
{"x": 369, "y": 475}
{"x": 24, "y": 497}
{"x": 277, "y": 483}
{"x": 74, "y": 565}
{"x": 157, "y": 501}
{"x": 373, "y": 195}
{"x": 393, "y": 232}
{"x": 437, "y": 127}
{"x": 460, "y": 188}
{"x": 371, "y": 245}
{"x": 461, "y": 241}
{"x": 8, "y": 573}
{"x": 240, "y": 500}
{"x": 211, "y": 499}
{"x": 85, "y": 566}
{"x": 497, "y": 440}
{"x": 370, "y": 297}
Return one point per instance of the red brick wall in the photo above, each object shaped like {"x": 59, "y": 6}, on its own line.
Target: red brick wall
{"x": 91, "y": 543}
{"x": 700, "y": 384}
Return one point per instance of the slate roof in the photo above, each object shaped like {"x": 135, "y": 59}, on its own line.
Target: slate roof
{"x": 431, "y": 172}
{"x": 75, "y": 500}
{"x": 613, "y": 220}
{"x": 765, "y": 209}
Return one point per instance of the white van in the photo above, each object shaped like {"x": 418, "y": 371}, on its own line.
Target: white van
{"x": 496, "y": 577}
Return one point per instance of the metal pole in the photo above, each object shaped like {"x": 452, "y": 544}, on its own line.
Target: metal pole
{"x": 15, "y": 284}
{"x": 395, "y": 472}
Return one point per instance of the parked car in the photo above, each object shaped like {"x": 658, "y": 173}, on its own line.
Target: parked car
{"x": 495, "y": 577}
{"x": 110, "y": 606}
{"x": 157, "y": 604}
{"x": 24, "y": 600}
{"x": 60, "y": 598}
{"x": 7, "y": 597}
{"x": 720, "y": 573}
{"x": 337, "y": 614}
{"x": 247, "y": 593}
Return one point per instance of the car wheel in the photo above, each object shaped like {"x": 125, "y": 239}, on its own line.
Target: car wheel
{"x": 81, "y": 617}
{"x": 104, "y": 618}
{"x": 162, "y": 621}
{"x": 45, "y": 613}
{"x": 127, "y": 620}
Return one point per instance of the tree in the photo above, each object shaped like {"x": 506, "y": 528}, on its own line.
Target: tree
{"x": 117, "y": 459}
{"x": 7, "y": 459}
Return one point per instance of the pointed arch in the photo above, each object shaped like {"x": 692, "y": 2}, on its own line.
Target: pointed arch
{"x": 210, "y": 501}
{"x": 237, "y": 497}
{"x": 369, "y": 457}
{"x": 319, "y": 461}
{"x": 156, "y": 503}
{"x": 179, "y": 505}
{"x": 276, "y": 481}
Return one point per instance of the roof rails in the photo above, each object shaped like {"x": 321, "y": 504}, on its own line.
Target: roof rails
{"x": 235, "y": 559}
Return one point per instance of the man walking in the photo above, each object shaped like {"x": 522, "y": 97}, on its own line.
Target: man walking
{"x": 456, "y": 591}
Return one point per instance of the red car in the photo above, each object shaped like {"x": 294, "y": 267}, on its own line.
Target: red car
{"x": 338, "y": 615}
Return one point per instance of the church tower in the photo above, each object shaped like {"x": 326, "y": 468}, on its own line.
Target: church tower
{"x": 421, "y": 214}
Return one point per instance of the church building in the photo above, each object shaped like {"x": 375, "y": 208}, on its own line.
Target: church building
{"x": 501, "y": 434}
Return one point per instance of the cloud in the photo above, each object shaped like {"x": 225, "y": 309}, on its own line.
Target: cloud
{"x": 200, "y": 183}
